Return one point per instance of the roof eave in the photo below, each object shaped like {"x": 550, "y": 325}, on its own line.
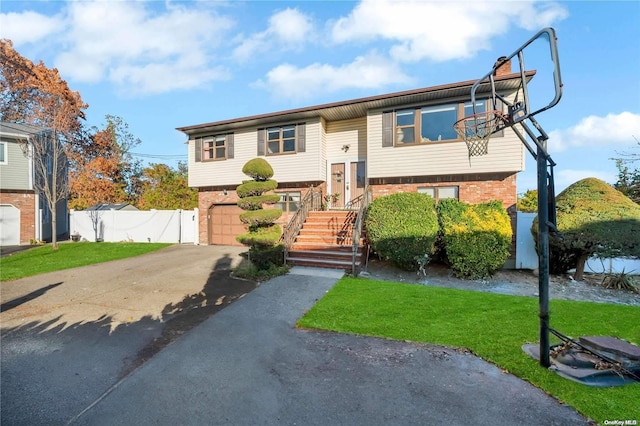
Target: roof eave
{"x": 366, "y": 103}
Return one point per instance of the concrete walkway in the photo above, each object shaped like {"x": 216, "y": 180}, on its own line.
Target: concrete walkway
{"x": 248, "y": 365}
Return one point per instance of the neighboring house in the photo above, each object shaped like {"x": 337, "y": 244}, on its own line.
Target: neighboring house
{"x": 113, "y": 206}
{"x": 395, "y": 142}
{"x": 24, "y": 214}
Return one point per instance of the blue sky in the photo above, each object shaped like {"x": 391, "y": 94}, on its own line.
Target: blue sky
{"x": 162, "y": 65}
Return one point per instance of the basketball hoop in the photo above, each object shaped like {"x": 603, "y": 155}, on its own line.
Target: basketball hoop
{"x": 476, "y": 130}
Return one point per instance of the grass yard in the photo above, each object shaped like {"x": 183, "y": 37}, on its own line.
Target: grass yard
{"x": 493, "y": 326}
{"x": 69, "y": 255}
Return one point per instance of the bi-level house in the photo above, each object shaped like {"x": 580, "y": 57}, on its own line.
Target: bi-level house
{"x": 24, "y": 214}
{"x": 401, "y": 141}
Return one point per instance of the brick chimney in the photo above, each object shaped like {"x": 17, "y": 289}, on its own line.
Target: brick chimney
{"x": 503, "y": 69}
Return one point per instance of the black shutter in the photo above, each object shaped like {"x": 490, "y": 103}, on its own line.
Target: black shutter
{"x": 229, "y": 142}
{"x": 301, "y": 139}
{"x": 198, "y": 150}
{"x": 387, "y": 128}
{"x": 261, "y": 136}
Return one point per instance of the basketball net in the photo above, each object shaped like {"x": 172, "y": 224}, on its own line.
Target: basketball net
{"x": 476, "y": 130}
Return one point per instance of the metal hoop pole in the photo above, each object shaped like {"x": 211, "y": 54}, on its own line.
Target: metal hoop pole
{"x": 543, "y": 254}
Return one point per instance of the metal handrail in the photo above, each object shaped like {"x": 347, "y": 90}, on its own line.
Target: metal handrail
{"x": 310, "y": 202}
{"x": 358, "y": 225}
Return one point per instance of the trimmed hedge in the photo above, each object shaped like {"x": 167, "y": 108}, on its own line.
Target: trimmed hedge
{"x": 258, "y": 169}
{"x": 402, "y": 227}
{"x": 594, "y": 219}
{"x": 476, "y": 237}
{"x": 251, "y": 188}
{"x": 255, "y": 203}
{"x": 260, "y": 217}
{"x": 262, "y": 237}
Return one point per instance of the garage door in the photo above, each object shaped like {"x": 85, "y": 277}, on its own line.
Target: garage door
{"x": 224, "y": 224}
{"x": 9, "y": 225}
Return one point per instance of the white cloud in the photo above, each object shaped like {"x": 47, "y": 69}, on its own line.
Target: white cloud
{"x": 28, "y": 26}
{"x": 142, "y": 47}
{"x": 440, "y": 31}
{"x": 288, "y": 29}
{"x": 593, "y": 131}
{"x": 365, "y": 72}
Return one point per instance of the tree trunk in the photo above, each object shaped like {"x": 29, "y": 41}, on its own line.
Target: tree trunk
{"x": 54, "y": 226}
{"x": 582, "y": 260}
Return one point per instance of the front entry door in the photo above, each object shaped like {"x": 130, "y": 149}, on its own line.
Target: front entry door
{"x": 337, "y": 184}
{"x": 357, "y": 180}
{"x": 348, "y": 180}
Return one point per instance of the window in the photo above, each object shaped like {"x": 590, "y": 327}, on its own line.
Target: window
{"x": 289, "y": 201}
{"x": 218, "y": 147}
{"x": 426, "y": 124}
{"x": 277, "y": 140}
{"x": 437, "y": 123}
{"x": 3, "y": 153}
{"x": 214, "y": 148}
{"x": 281, "y": 140}
{"x": 440, "y": 192}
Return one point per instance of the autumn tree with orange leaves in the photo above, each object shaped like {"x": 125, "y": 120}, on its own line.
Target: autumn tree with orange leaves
{"x": 105, "y": 171}
{"x": 36, "y": 95}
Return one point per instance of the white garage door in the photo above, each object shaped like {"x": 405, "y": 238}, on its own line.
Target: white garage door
{"x": 9, "y": 225}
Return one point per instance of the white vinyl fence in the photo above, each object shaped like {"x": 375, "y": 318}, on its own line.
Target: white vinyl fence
{"x": 156, "y": 226}
{"x": 527, "y": 258}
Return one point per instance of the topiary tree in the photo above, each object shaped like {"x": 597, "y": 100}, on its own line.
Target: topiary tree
{"x": 263, "y": 233}
{"x": 476, "y": 237}
{"x": 402, "y": 228}
{"x": 593, "y": 219}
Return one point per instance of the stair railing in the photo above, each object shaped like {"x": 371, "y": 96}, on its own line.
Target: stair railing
{"x": 312, "y": 201}
{"x": 358, "y": 225}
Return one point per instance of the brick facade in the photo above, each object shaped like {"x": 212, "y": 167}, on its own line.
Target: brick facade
{"x": 498, "y": 187}
{"x": 25, "y": 202}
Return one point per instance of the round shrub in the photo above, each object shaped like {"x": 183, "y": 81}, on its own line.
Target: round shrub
{"x": 593, "y": 219}
{"x": 258, "y": 169}
{"x": 402, "y": 227}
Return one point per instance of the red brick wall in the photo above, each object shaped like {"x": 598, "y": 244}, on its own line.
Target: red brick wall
{"x": 471, "y": 192}
{"x": 26, "y": 203}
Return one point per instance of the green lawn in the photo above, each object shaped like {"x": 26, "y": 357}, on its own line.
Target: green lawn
{"x": 69, "y": 255}
{"x": 493, "y": 326}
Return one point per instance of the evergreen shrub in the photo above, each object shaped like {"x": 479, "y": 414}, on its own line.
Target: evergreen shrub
{"x": 402, "y": 227}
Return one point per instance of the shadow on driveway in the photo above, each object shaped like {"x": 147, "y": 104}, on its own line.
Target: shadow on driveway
{"x": 52, "y": 368}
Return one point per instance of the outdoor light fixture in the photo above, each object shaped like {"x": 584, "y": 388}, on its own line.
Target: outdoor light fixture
{"x": 345, "y": 148}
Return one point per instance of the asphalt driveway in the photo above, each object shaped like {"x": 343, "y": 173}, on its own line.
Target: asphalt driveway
{"x": 68, "y": 336}
{"x": 70, "y": 342}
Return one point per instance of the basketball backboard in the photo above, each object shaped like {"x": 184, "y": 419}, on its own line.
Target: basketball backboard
{"x": 535, "y": 67}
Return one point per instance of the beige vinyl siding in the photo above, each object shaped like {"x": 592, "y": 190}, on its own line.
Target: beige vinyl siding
{"x": 16, "y": 173}
{"x": 506, "y": 154}
{"x": 303, "y": 166}
{"x": 347, "y": 132}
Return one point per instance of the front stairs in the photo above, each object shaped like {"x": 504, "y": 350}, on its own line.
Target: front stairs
{"x": 325, "y": 241}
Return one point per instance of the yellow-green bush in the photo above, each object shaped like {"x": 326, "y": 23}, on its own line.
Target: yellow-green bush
{"x": 476, "y": 237}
